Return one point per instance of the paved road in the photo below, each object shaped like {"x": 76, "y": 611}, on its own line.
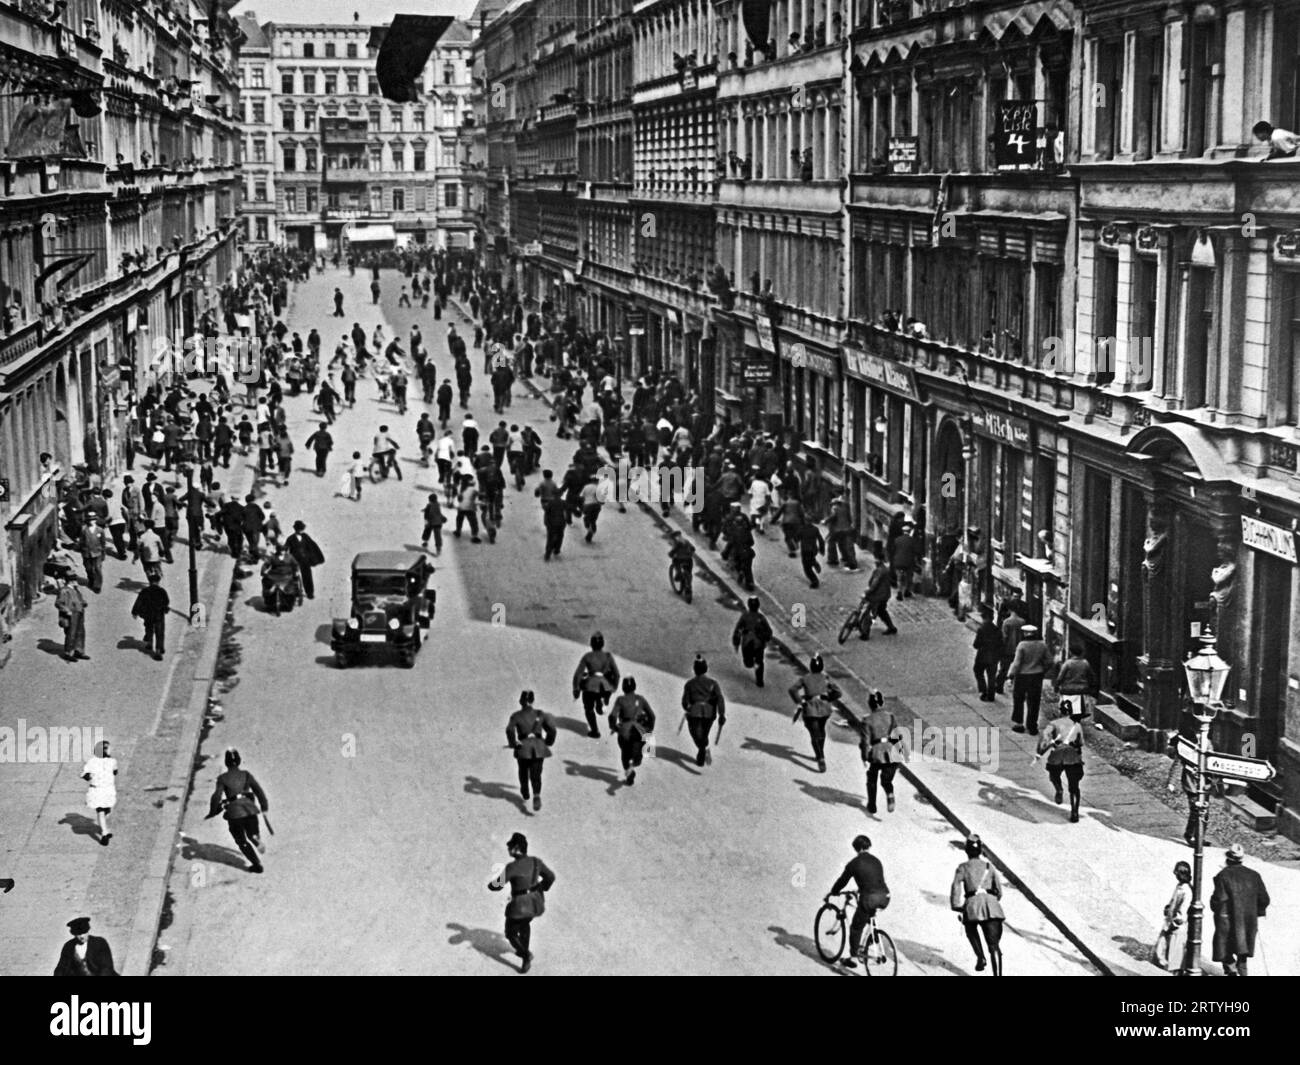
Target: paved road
{"x": 393, "y": 793}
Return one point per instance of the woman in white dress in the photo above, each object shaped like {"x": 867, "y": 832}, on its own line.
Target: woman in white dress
{"x": 102, "y": 793}
{"x": 1171, "y": 944}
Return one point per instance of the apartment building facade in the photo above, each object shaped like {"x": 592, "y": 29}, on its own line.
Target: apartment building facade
{"x": 260, "y": 222}
{"x": 118, "y": 215}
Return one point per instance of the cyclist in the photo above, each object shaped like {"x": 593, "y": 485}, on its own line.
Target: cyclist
{"x": 385, "y": 452}
{"x": 682, "y": 554}
{"x": 873, "y": 893}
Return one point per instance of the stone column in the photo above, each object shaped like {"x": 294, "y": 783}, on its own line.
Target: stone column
{"x": 1157, "y": 663}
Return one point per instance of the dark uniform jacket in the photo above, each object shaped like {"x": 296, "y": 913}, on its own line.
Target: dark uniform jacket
{"x": 597, "y": 672}
{"x": 701, "y": 697}
{"x": 976, "y": 891}
{"x": 814, "y": 693}
{"x": 752, "y": 629}
{"x": 530, "y": 733}
{"x": 152, "y": 603}
{"x": 1076, "y": 678}
{"x": 881, "y": 739}
{"x": 99, "y": 959}
{"x": 237, "y": 789}
{"x": 631, "y": 716}
{"x": 523, "y": 876}
{"x": 1238, "y": 901}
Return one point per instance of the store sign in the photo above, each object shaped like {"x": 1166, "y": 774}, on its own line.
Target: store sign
{"x": 880, "y": 372}
{"x": 756, "y": 369}
{"x": 1271, "y": 539}
{"x": 902, "y": 155}
{"x": 763, "y": 326}
{"x": 1005, "y": 427}
{"x": 532, "y": 248}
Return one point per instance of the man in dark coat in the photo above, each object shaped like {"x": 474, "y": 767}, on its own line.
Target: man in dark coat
{"x": 151, "y": 607}
{"x": 594, "y": 681}
{"x": 84, "y": 954}
{"x": 988, "y": 654}
{"x": 877, "y": 596}
{"x": 232, "y": 515}
{"x": 530, "y": 734}
{"x": 555, "y": 518}
{"x": 253, "y": 522}
{"x": 240, "y": 796}
{"x": 307, "y": 553}
{"x": 528, "y": 879}
{"x": 703, "y": 701}
{"x": 1238, "y": 901}
{"x": 811, "y": 545}
{"x": 322, "y": 443}
{"x": 750, "y": 637}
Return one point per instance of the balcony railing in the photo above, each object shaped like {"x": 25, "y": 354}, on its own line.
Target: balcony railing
{"x": 347, "y": 175}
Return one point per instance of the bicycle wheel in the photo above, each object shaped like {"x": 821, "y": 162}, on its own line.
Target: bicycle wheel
{"x": 375, "y": 470}
{"x": 675, "y": 578}
{"x": 879, "y": 956}
{"x": 850, "y": 625}
{"x": 828, "y": 931}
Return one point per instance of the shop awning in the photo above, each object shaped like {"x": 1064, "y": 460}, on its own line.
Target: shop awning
{"x": 371, "y": 235}
{"x": 1185, "y": 447}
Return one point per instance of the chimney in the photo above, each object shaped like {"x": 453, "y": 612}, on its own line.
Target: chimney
{"x": 356, "y": 16}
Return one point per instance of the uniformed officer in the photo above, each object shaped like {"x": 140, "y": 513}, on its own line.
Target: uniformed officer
{"x": 813, "y": 695}
{"x": 883, "y": 750}
{"x": 750, "y": 637}
{"x": 530, "y": 733}
{"x": 242, "y": 798}
{"x": 702, "y": 700}
{"x": 631, "y": 719}
{"x": 528, "y": 879}
{"x": 594, "y": 681}
{"x": 1062, "y": 742}
{"x": 975, "y": 895}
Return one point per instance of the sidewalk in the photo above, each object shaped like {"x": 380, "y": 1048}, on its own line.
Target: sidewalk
{"x": 1104, "y": 881}
{"x": 151, "y": 713}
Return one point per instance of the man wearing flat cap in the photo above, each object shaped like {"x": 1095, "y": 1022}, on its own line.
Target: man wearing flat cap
{"x": 1028, "y": 669}
{"x": 84, "y": 954}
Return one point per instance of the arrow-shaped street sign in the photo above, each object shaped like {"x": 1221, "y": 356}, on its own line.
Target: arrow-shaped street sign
{"x": 1254, "y": 770}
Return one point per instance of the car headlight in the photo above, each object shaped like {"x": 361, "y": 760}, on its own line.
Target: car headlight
{"x": 353, "y": 623}
{"x": 394, "y": 624}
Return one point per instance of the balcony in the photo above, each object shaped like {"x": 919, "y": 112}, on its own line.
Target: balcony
{"x": 348, "y": 175}
{"x": 822, "y": 197}
{"x": 30, "y": 177}
{"x": 1030, "y": 195}
{"x": 337, "y": 135}
{"x": 820, "y": 65}
{"x": 554, "y": 112}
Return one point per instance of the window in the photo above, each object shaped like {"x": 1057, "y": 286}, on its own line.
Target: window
{"x": 291, "y": 159}
{"x": 372, "y": 86}
{"x": 1096, "y": 542}
{"x": 259, "y": 190}
{"x": 448, "y": 74}
{"x": 1203, "y": 58}
{"x": 309, "y": 160}
{"x": 259, "y": 111}
{"x": 286, "y": 118}
{"x": 374, "y": 120}
{"x": 399, "y": 200}
{"x": 331, "y": 84}
{"x": 1044, "y": 499}
{"x": 1105, "y": 301}
{"x": 353, "y": 83}
{"x": 259, "y": 77}
{"x": 286, "y": 84}
{"x": 1286, "y": 66}
{"x": 395, "y": 113}
{"x": 377, "y": 199}
{"x": 1108, "y": 99}
{"x": 376, "y": 159}
{"x": 291, "y": 200}
{"x": 417, "y": 118}
{"x": 1287, "y": 407}
{"x": 259, "y": 149}
{"x": 308, "y": 119}
{"x": 309, "y": 84}
{"x": 417, "y": 159}
{"x": 243, "y": 111}
{"x": 448, "y": 155}
{"x": 1048, "y": 312}
{"x": 352, "y": 51}
{"x": 1148, "y": 88}
{"x": 451, "y": 195}
{"x": 1007, "y": 519}
{"x": 329, "y": 50}
{"x": 308, "y": 50}
{"x": 261, "y": 227}
{"x": 1141, "y": 348}
{"x": 1200, "y": 321}
{"x": 313, "y": 201}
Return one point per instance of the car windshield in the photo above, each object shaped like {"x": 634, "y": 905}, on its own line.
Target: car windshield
{"x": 380, "y": 584}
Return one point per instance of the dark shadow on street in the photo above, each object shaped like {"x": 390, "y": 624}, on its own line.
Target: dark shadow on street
{"x": 780, "y": 751}
{"x": 80, "y": 824}
{"x": 490, "y": 944}
{"x": 832, "y": 796}
{"x": 612, "y": 781}
{"x": 571, "y": 724}
{"x": 920, "y": 954}
{"x": 493, "y": 790}
{"x": 678, "y": 758}
{"x": 804, "y": 945}
{"x": 193, "y": 850}
{"x": 50, "y": 647}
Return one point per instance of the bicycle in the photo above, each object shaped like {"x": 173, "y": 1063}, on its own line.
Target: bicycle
{"x": 877, "y": 953}
{"x": 380, "y": 465}
{"x": 853, "y": 623}
{"x": 680, "y": 573}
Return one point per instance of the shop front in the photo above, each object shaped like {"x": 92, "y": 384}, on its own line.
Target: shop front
{"x": 810, "y": 412}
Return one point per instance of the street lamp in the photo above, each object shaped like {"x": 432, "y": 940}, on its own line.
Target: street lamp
{"x": 1206, "y": 675}
{"x": 189, "y": 444}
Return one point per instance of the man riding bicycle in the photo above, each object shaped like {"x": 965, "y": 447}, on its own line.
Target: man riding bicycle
{"x": 385, "y": 452}
{"x": 873, "y": 894}
{"x": 682, "y": 554}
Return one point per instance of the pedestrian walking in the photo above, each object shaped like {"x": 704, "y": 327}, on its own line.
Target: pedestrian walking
{"x": 1238, "y": 901}
{"x": 353, "y": 478}
{"x": 307, "y": 553}
{"x": 1170, "y": 948}
{"x": 631, "y": 720}
{"x": 1062, "y": 742}
{"x": 814, "y": 694}
{"x": 322, "y": 443}
{"x": 592, "y": 505}
{"x": 1013, "y": 625}
{"x": 976, "y": 895}
{"x": 1075, "y": 681}
{"x": 528, "y": 879}
{"x": 840, "y": 541}
{"x": 811, "y": 545}
{"x": 338, "y": 303}
{"x": 445, "y": 397}
{"x": 433, "y": 523}
{"x": 1027, "y": 671}
{"x": 254, "y": 522}
{"x": 232, "y": 518}
{"x": 84, "y": 954}
{"x": 284, "y": 454}
{"x": 594, "y": 681}
{"x": 902, "y": 561}
{"x": 467, "y": 509}
{"x": 792, "y": 523}
{"x": 116, "y": 525}
{"x": 883, "y": 745}
{"x": 71, "y": 607}
{"x": 750, "y": 637}
{"x": 988, "y": 655}
{"x": 555, "y": 519}
{"x": 100, "y": 772}
{"x": 877, "y": 599}
{"x": 241, "y": 798}
{"x": 151, "y": 606}
{"x": 703, "y": 703}
{"x": 530, "y": 734}
{"x": 94, "y": 545}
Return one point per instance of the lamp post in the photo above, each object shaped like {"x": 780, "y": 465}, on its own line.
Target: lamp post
{"x": 190, "y": 450}
{"x": 1206, "y": 675}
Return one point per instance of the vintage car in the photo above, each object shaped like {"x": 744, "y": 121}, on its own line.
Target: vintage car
{"x": 391, "y": 604}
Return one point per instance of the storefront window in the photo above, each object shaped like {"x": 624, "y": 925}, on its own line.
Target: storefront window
{"x": 1094, "y": 525}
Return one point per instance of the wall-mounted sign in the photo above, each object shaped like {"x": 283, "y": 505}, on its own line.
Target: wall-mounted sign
{"x": 1005, "y": 427}
{"x": 1271, "y": 539}
{"x": 810, "y": 360}
{"x": 902, "y": 155}
{"x": 881, "y": 372}
{"x": 533, "y": 247}
{"x": 1015, "y": 133}
{"x": 763, "y": 327}
{"x": 755, "y": 368}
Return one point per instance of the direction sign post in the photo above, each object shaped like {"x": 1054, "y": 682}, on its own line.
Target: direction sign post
{"x": 1248, "y": 770}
